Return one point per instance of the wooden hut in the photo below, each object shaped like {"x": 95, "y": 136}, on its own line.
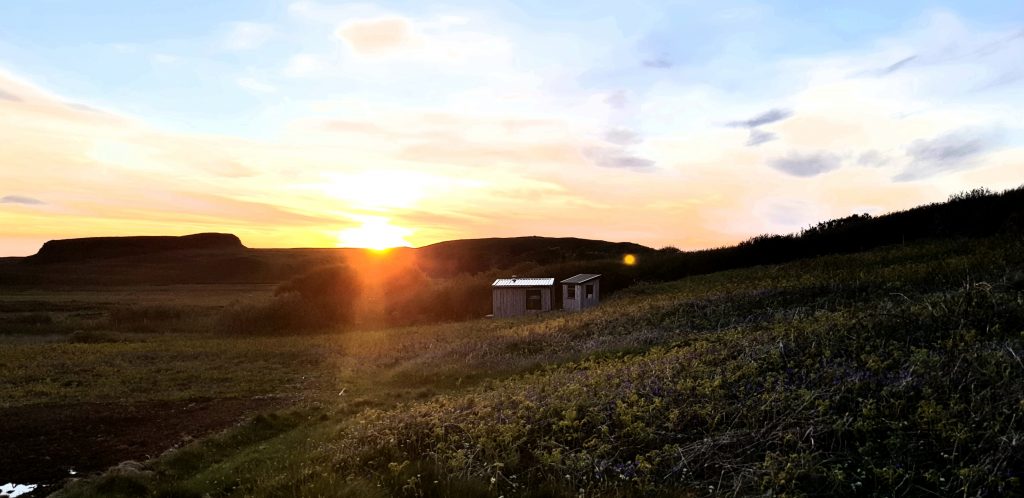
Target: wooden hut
{"x": 581, "y": 292}
{"x": 521, "y": 296}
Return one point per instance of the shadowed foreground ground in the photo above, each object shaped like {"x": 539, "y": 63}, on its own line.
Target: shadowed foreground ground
{"x": 43, "y": 444}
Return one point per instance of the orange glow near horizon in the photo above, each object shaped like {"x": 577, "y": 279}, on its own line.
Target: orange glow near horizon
{"x": 369, "y": 173}
{"x": 375, "y": 233}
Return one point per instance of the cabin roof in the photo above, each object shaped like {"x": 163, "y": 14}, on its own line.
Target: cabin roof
{"x": 523, "y": 282}
{"x": 581, "y": 278}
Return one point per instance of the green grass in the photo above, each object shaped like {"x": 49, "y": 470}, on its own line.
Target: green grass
{"x": 893, "y": 372}
{"x": 156, "y": 368}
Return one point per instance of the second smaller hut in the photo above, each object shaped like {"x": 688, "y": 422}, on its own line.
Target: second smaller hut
{"x": 581, "y": 291}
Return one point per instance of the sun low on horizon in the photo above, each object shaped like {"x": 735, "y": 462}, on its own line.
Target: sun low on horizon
{"x": 309, "y": 123}
{"x": 375, "y": 233}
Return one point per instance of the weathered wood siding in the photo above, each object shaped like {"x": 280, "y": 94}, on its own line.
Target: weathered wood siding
{"x": 581, "y": 301}
{"x": 572, "y": 304}
{"x": 586, "y": 302}
{"x": 511, "y": 301}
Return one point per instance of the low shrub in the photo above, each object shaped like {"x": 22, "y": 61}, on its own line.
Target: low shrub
{"x": 144, "y": 318}
{"x": 28, "y": 323}
{"x": 93, "y": 337}
{"x": 279, "y": 315}
{"x": 32, "y": 319}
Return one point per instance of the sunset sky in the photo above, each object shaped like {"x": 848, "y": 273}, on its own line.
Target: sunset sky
{"x": 317, "y": 124}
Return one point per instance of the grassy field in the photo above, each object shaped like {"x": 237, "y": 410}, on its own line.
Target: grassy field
{"x": 895, "y": 372}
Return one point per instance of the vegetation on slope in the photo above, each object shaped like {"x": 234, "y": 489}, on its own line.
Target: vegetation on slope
{"x": 892, "y": 372}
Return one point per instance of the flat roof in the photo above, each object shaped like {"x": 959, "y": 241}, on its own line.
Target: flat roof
{"x": 581, "y": 278}
{"x": 523, "y": 282}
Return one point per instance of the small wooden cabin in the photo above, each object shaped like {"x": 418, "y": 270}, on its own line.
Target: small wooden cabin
{"x": 581, "y": 292}
{"x": 521, "y": 296}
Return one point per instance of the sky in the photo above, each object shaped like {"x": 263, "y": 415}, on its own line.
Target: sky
{"x": 317, "y": 124}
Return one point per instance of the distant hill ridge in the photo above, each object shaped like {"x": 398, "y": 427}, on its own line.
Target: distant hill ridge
{"x": 209, "y": 258}
{"x": 114, "y": 247}
{"x": 475, "y": 255}
{"x": 221, "y": 258}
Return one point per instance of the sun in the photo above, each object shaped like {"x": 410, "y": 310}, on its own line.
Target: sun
{"x": 375, "y": 232}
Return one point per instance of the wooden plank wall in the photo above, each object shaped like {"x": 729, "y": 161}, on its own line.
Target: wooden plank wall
{"x": 570, "y": 304}
{"x": 587, "y": 303}
{"x": 511, "y": 301}
{"x": 581, "y": 302}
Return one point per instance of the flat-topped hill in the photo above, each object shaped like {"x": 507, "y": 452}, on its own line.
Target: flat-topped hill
{"x": 115, "y": 247}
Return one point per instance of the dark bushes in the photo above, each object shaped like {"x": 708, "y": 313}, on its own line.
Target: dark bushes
{"x": 93, "y": 337}
{"x": 321, "y": 298}
{"x": 149, "y": 318}
{"x": 331, "y": 291}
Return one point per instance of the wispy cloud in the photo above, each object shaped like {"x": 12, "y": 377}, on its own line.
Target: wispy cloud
{"x": 447, "y": 39}
{"x": 623, "y": 136}
{"x": 84, "y": 107}
{"x": 950, "y": 152}
{"x": 873, "y": 158}
{"x": 758, "y": 137}
{"x": 895, "y": 66}
{"x": 617, "y": 99}
{"x": 377, "y": 36}
{"x": 613, "y": 157}
{"x": 4, "y": 95}
{"x": 305, "y": 65}
{"x": 658, "y": 63}
{"x": 806, "y": 164}
{"x": 20, "y": 199}
{"x": 255, "y": 86}
{"x": 247, "y": 35}
{"x": 767, "y": 117}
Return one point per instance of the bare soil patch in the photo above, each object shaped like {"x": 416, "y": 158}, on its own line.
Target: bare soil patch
{"x": 41, "y": 444}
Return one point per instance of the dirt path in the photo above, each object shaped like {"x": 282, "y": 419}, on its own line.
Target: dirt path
{"x": 41, "y": 444}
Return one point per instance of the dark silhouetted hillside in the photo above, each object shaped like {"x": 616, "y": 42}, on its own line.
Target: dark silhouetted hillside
{"x": 968, "y": 215}
{"x": 221, "y": 258}
{"x": 114, "y": 247}
{"x": 972, "y": 214}
{"x": 477, "y": 255}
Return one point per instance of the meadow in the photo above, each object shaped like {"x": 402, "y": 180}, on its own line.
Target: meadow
{"x": 896, "y": 371}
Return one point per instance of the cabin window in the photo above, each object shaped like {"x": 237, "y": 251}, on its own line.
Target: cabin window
{"x": 533, "y": 299}
{"x": 570, "y": 292}
{"x": 590, "y": 291}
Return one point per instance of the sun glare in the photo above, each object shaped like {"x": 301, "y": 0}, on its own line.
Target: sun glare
{"x": 376, "y": 233}
{"x": 379, "y": 189}
{"x": 629, "y": 260}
